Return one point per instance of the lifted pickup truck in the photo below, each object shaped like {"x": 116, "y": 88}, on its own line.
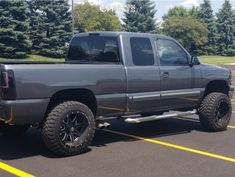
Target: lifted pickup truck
{"x": 111, "y": 74}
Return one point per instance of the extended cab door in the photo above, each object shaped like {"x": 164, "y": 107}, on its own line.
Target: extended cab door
{"x": 143, "y": 75}
{"x": 178, "y": 88}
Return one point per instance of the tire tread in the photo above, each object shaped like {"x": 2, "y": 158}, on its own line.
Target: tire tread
{"x": 50, "y": 136}
{"x": 206, "y": 111}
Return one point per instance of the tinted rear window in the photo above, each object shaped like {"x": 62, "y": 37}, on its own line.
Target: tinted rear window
{"x": 94, "y": 49}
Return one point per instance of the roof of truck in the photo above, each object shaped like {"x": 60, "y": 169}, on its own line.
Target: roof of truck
{"x": 111, "y": 33}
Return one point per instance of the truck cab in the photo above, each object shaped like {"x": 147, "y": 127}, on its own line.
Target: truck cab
{"x": 155, "y": 72}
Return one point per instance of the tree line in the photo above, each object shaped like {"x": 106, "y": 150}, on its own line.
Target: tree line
{"x": 43, "y": 27}
{"x": 198, "y": 29}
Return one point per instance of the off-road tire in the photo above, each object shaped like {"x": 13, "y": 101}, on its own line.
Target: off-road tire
{"x": 12, "y": 130}
{"x": 52, "y": 125}
{"x": 207, "y": 112}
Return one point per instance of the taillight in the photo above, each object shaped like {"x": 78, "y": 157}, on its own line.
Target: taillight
{"x": 7, "y": 84}
{"x": 5, "y": 80}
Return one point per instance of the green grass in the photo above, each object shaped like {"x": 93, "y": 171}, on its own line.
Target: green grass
{"x": 35, "y": 58}
{"x": 217, "y": 60}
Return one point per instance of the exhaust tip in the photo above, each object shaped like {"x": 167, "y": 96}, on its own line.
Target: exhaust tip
{"x": 103, "y": 125}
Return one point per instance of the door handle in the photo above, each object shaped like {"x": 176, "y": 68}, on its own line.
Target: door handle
{"x": 165, "y": 75}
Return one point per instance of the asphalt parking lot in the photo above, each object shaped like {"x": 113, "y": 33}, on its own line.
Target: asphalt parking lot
{"x": 175, "y": 147}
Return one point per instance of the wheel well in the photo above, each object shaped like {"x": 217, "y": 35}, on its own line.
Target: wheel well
{"x": 217, "y": 86}
{"x": 84, "y": 96}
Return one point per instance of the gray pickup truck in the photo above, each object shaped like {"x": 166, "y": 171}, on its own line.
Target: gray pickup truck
{"x": 111, "y": 74}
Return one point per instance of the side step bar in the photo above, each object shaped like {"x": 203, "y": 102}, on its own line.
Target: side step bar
{"x": 152, "y": 118}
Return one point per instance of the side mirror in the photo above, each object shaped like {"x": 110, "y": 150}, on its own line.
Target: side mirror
{"x": 194, "y": 61}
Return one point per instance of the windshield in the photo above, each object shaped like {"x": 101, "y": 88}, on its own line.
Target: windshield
{"x": 94, "y": 49}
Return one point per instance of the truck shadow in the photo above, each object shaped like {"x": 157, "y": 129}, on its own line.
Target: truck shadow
{"x": 31, "y": 144}
{"x": 156, "y": 129}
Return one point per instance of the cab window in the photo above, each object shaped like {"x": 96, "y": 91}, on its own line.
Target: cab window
{"x": 170, "y": 53}
{"x": 142, "y": 52}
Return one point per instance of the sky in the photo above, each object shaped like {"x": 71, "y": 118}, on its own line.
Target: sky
{"x": 162, "y": 6}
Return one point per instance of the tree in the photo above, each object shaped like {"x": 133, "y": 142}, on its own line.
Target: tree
{"x": 139, "y": 16}
{"x": 234, "y": 21}
{"x": 193, "y": 11}
{"x": 180, "y": 11}
{"x": 51, "y": 26}
{"x": 226, "y": 30}
{"x": 187, "y": 30}
{"x": 14, "y": 25}
{"x": 205, "y": 15}
{"x": 90, "y": 17}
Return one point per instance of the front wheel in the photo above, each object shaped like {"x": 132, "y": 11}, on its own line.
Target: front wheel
{"x": 69, "y": 128}
{"x": 215, "y": 112}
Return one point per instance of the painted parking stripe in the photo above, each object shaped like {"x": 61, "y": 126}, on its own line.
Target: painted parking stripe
{"x": 196, "y": 120}
{"x": 14, "y": 171}
{"x": 231, "y": 126}
{"x": 174, "y": 146}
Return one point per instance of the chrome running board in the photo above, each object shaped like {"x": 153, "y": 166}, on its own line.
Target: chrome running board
{"x": 154, "y": 117}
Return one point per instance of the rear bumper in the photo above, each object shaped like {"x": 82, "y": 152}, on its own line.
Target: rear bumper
{"x": 22, "y": 112}
{"x": 231, "y": 91}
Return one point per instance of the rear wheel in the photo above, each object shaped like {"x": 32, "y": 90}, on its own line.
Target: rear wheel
{"x": 69, "y": 128}
{"x": 12, "y": 130}
{"x": 215, "y": 112}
